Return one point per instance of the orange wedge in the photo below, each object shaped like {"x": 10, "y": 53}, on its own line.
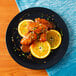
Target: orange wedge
{"x": 40, "y": 49}
{"x": 54, "y": 38}
{"x": 22, "y": 27}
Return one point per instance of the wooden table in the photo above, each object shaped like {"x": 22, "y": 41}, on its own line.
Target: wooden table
{"x": 8, "y": 67}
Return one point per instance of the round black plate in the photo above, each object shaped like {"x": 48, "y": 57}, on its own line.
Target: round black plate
{"x": 13, "y": 38}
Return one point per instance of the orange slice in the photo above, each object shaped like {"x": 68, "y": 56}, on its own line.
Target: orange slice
{"x": 22, "y": 27}
{"x": 40, "y": 49}
{"x": 54, "y": 38}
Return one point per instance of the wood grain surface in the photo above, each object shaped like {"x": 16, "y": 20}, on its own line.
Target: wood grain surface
{"x": 8, "y": 67}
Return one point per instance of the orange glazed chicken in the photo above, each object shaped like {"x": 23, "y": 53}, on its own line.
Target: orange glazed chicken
{"x": 36, "y": 30}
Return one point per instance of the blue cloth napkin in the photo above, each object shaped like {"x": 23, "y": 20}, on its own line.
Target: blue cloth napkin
{"x": 67, "y": 10}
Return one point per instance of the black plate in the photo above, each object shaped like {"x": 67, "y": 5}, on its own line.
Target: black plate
{"x": 13, "y": 38}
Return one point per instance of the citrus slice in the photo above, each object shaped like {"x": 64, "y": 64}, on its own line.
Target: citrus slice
{"x": 40, "y": 49}
{"x": 22, "y": 27}
{"x": 54, "y": 38}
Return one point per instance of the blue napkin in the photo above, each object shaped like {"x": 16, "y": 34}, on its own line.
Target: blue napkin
{"x": 67, "y": 10}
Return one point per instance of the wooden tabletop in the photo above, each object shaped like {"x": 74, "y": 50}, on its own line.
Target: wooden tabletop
{"x": 8, "y": 67}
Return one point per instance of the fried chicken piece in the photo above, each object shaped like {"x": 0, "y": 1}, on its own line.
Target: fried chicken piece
{"x": 43, "y": 37}
{"x": 37, "y": 27}
{"x": 28, "y": 39}
{"x": 45, "y": 22}
{"x": 25, "y": 48}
